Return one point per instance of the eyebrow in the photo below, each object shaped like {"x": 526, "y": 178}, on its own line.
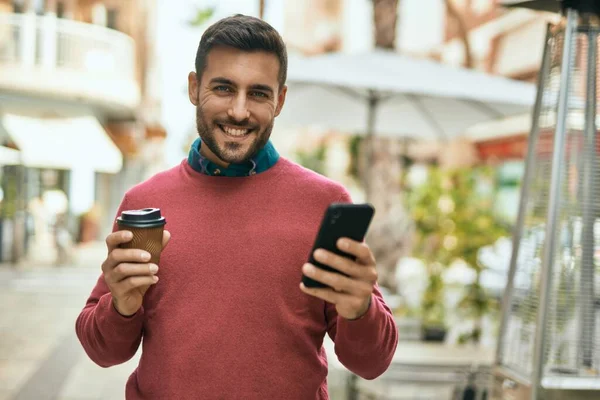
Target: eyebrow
{"x": 258, "y": 86}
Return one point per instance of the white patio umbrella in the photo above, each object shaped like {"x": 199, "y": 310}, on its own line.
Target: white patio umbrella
{"x": 9, "y": 156}
{"x": 389, "y": 94}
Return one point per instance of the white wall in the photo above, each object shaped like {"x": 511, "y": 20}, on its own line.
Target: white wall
{"x": 357, "y": 26}
{"x": 421, "y": 25}
{"x": 522, "y": 49}
{"x": 82, "y": 188}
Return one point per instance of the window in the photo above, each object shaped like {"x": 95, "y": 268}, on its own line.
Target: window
{"x": 18, "y": 6}
{"x": 112, "y": 18}
{"x": 38, "y": 6}
{"x": 60, "y": 9}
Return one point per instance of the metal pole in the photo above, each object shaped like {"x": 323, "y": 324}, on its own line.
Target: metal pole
{"x": 551, "y": 233}
{"x": 373, "y": 101}
{"x": 518, "y": 231}
{"x": 587, "y": 316}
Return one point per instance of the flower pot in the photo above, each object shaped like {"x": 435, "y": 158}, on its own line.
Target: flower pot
{"x": 434, "y": 333}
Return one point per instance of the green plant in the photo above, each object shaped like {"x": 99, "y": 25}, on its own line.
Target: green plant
{"x": 201, "y": 16}
{"x": 313, "y": 159}
{"x": 10, "y": 203}
{"x": 454, "y": 219}
{"x": 433, "y": 311}
{"x": 354, "y": 147}
{"x": 475, "y": 305}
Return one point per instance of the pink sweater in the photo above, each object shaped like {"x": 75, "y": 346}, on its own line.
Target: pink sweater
{"x": 227, "y": 319}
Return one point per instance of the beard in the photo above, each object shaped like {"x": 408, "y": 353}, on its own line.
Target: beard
{"x": 231, "y": 152}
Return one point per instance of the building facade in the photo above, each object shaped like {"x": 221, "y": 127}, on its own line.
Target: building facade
{"x": 507, "y": 42}
{"x": 79, "y": 106}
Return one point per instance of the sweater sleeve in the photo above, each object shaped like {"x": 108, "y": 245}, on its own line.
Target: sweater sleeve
{"x": 366, "y": 345}
{"x": 107, "y": 337}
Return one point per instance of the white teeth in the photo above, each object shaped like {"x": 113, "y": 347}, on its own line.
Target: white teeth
{"x": 235, "y": 132}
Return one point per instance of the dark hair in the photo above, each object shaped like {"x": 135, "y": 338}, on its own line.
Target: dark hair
{"x": 244, "y": 33}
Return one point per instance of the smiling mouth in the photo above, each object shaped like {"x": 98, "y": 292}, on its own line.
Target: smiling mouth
{"x": 235, "y": 132}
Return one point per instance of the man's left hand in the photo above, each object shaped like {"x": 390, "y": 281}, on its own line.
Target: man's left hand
{"x": 352, "y": 294}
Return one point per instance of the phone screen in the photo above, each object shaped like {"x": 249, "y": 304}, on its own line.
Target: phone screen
{"x": 340, "y": 220}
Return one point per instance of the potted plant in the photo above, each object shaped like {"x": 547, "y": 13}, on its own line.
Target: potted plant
{"x": 433, "y": 309}
{"x": 454, "y": 219}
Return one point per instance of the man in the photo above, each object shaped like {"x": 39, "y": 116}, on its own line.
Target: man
{"x": 227, "y": 319}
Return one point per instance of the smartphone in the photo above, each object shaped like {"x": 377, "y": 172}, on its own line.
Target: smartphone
{"x": 340, "y": 220}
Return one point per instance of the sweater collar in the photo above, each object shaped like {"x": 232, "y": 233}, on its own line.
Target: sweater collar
{"x": 265, "y": 159}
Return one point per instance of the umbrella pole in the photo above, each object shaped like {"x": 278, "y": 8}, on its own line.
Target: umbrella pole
{"x": 373, "y": 101}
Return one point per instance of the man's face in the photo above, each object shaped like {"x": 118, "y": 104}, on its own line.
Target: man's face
{"x": 237, "y": 99}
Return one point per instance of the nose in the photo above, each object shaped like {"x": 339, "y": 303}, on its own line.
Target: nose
{"x": 239, "y": 108}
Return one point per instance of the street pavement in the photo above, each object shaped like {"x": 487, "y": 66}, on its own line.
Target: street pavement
{"x": 40, "y": 355}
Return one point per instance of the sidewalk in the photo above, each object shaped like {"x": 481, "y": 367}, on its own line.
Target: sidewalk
{"x": 88, "y": 256}
{"x": 40, "y": 355}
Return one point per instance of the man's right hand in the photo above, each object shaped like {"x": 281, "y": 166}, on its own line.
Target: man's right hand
{"x": 128, "y": 273}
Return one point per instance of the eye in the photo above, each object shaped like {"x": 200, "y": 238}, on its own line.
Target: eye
{"x": 222, "y": 88}
{"x": 259, "y": 94}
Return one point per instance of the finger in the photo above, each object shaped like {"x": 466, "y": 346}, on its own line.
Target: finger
{"x": 347, "y": 266}
{"x": 134, "y": 282}
{"x": 116, "y": 238}
{"x": 329, "y": 295}
{"x": 125, "y": 270}
{"x": 338, "y": 282}
{"x": 360, "y": 250}
{"x": 118, "y": 256}
{"x": 165, "y": 239}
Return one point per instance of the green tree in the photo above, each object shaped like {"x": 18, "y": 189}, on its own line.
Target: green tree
{"x": 201, "y": 16}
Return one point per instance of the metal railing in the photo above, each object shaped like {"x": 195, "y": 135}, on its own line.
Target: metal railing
{"x": 30, "y": 41}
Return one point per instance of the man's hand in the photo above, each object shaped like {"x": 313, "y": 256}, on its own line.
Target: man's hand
{"x": 127, "y": 272}
{"x": 351, "y": 295}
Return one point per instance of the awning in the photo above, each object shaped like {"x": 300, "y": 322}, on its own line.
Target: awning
{"x": 9, "y": 156}
{"x": 63, "y": 143}
{"x": 507, "y": 127}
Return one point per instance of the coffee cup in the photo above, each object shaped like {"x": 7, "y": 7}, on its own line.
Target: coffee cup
{"x": 147, "y": 226}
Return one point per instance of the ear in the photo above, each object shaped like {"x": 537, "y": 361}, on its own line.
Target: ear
{"x": 193, "y": 87}
{"x": 280, "y": 100}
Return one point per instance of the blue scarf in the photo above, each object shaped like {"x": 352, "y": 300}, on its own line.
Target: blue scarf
{"x": 265, "y": 159}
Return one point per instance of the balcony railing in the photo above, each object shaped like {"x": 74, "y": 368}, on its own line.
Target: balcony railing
{"x": 67, "y": 58}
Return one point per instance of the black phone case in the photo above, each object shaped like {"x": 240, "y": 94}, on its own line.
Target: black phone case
{"x": 340, "y": 220}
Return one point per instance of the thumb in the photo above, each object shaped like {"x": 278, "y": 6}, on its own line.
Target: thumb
{"x": 166, "y": 238}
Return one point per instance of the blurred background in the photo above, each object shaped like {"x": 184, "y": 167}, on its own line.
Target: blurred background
{"x": 431, "y": 127}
